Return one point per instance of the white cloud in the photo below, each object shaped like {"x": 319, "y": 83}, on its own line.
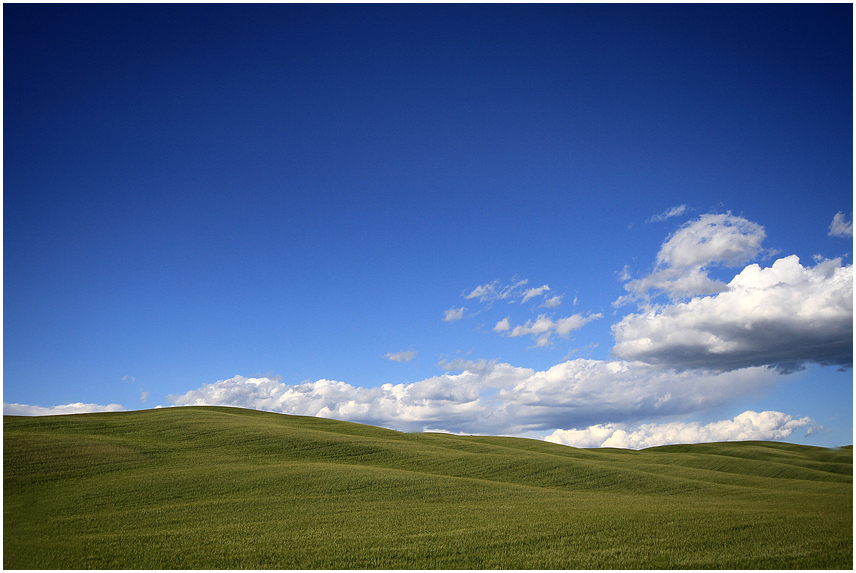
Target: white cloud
{"x": 404, "y": 356}
{"x": 541, "y": 329}
{"x": 784, "y": 315}
{"x": 676, "y": 358}
{"x": 454, "y": 314}
{"x": 713, "y": 238}
{"x": 483, "y": 292}
{"x": 747, "y": 426}
{"x": 533, "y": 292}
{"x": 144, "y": 396}
{"x": 490, "y": 292}
{"x": 462, "y": 364}
{"x": 672, "y": 212}
{"x": 502, "y": 325}
{"x": 554, "y": 301}
{"x": 682, "y": 264}
{"x": 493, "y": 291}
{"x": 544, "y": 327}
{"x": 677, "y": 283}
{"x": 840, "y": 227}
{"x": 497, "y": 398}
{"x": 75, "y": 408}
{"x": 543, "y": 324}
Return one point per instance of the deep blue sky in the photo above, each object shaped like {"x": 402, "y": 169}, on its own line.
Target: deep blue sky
{"x": 198, "y": 192}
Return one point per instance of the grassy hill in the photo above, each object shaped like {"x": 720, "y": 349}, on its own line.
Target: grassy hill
{"x": 226, "y": 488}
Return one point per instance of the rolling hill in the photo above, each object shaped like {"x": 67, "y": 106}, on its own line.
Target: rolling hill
{"x": 228, "y": 488}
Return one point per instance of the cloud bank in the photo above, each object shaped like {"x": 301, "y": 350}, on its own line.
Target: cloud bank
{"x": 747, "y": 426}
{"x": 496, "y": 398}
{"x": 75, "y": 408}
{"x": 784, "y": 315}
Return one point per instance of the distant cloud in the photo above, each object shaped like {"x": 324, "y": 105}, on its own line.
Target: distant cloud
{"x": 490, "y": 292}
{"x": 554, "y": 302}
{"x": 405, "y": 356}
{"x": 682, "y": 265}
{"x": 712, "y": 239}
{"x": 144, "y": 396}
{"x": 75, "y": 408}
{"x": 502, "y": 325}
{"x": 673, "y": 212}
{"x": 840, "y": 227}
{"x": 747, "y": 426}
{"x": 462, "y": 364}
{"x": 497, "y": 398}
{"x": 454, "y": 314}
{"x": 544, "y": 327}
{"x": 532, "y": 292}
{"x": 483, "y": 292}
{"x": 783, "y": 316}
{"x": 514, "y": 292}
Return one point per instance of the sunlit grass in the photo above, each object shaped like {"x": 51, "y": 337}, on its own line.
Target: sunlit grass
{"x": 236, "y": 489}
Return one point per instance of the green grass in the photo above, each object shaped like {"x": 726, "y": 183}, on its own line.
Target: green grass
{"x": 226, "y": 488}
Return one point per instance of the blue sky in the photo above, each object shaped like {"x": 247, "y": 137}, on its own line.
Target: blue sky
{"x": 600, "y": 224}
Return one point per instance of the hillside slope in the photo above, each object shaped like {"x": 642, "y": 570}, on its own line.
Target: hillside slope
{"x": 226, "y": 488}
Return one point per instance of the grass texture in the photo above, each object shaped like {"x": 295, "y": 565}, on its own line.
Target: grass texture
{"x": 227, "y": 488}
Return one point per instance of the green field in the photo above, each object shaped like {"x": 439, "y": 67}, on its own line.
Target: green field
{"x": 226, "y": 488}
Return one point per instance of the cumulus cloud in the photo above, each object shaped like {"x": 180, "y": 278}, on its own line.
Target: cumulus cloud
{"x": 496, "y": 398}
{"x": 668, "y": 213}
{"x": 503, "y": 325}
{"x": 554, "y": 301}
{"x": 677, "y": 283}
{"x": 75, "y": 408}
{"x": 782, "y": 316}
{"x": 544, "y": 327}
{"x": 713, "y": 238}
{"x": 446, "y": 401}
{"x": 685, "y": 258}
{"x": 404, "y": 356}
{"x": 840, "y": 227}
{"x": 747, "y": 426}
{"x": 454, "y": 314}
